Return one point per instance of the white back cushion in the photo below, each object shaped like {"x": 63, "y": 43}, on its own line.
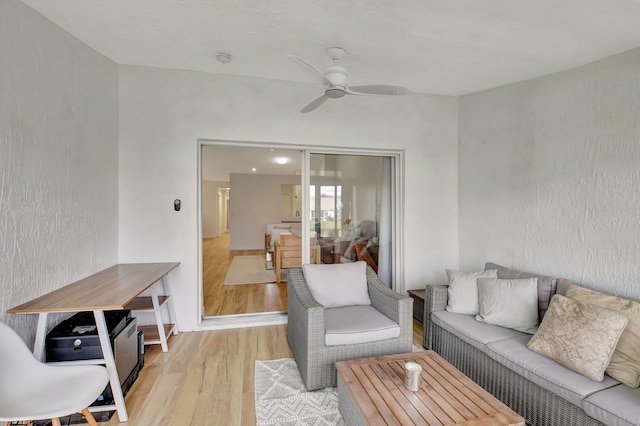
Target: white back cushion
{"x": 463, "y": 290}
{"x": 339, "y": 284}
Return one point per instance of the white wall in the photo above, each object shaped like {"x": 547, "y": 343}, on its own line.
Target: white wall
{"x": 58, "y": 160}
{"x": 255, "y": 202}
{"x": 550, "y": 175}
{"x": 164, "y": 112}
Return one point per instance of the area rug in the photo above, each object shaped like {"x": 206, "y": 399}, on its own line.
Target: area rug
{"x": 249, "y": 270}
{"x": 281, "y": 398}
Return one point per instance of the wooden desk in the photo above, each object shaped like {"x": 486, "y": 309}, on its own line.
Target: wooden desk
{"x": 371, "y": 392}
{"x": 111, "y": 289}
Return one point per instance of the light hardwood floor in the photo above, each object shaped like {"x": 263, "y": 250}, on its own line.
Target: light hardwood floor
{"x": 207, "y": 377}
{"x": 222, "y": 299}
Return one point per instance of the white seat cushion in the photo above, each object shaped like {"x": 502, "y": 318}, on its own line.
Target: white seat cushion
{"x": 616, "y": 406}
{"x": 476, "y": 333}
{"x": 545, "y": 372}
{"x": 357, "y": 324}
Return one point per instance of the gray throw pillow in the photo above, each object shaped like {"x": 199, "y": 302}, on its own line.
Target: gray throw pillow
{"x": 509, "y": 303}
{"x": 546, "y": 285}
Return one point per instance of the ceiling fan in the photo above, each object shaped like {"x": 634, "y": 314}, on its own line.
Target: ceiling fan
{"x": 334, "y": 80}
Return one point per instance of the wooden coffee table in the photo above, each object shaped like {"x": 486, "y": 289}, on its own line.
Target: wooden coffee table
{"x": 371, "y": 392}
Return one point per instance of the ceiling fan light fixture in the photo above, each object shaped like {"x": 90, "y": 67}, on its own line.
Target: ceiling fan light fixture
{"x": 334, "y": 93}
{"x": 334, "y": 80}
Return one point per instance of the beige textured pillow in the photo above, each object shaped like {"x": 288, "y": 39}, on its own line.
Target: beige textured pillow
{"x": 463, "y": 290}
{"x": 580, "y": 336}
{"x": 625, "y": 361}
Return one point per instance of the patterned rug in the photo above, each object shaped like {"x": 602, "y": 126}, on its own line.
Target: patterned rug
{"x": 282, "y": 400}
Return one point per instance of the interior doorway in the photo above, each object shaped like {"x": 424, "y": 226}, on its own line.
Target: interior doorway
{"x": 243, "y": 191}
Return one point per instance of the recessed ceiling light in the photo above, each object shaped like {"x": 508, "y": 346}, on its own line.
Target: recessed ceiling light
{"x": 282, "y": 160}
{"x": 253, "y": 169}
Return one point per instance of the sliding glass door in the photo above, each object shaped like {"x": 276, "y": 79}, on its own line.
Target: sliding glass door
{"x": 337, "y": 205}
{"x": 351, "y": 210}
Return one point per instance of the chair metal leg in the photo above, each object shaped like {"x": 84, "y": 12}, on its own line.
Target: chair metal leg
{"x": 89, "y": 417}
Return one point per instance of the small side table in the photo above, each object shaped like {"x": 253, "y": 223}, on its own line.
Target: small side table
{"x": 418, "y": 304}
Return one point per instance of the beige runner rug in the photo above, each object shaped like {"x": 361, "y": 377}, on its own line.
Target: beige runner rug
{"x": 249, "y": 270}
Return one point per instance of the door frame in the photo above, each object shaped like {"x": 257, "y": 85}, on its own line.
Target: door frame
{"x": 397, "y": 222}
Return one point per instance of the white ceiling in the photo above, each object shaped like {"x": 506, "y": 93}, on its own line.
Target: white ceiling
{"x": 219, "y": 162}
{"x": 447, "y": 47}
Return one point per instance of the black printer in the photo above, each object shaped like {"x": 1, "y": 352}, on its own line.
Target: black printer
{"x": 76, "y": 338}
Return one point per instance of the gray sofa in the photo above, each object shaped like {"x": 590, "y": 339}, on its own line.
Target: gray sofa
{"x": 538, "y": 388}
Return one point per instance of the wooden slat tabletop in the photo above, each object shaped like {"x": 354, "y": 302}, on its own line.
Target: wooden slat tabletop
{"x": 110, "y": 289}
{"x": 446, "y": 396}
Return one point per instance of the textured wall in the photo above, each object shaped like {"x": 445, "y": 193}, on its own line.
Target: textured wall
{"x": 58, "y": 160}
{"x": 550, "y": 175}
{"x": 255, "y": 202}
{"x": 163, "y": 113}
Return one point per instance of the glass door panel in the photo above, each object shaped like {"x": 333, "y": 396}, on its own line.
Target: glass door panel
{"x": 350, "y": 209}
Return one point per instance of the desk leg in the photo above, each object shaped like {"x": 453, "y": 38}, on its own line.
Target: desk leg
{"x": 41, "y": 335}
{"x": 161, "y": 333}
{"x": 109, "y": 360}
{"x": 172, "y": 312}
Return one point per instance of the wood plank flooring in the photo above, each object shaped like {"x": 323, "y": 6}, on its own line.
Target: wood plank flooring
{"x": 206, "y": 378}
{"x": 220, "y": 299}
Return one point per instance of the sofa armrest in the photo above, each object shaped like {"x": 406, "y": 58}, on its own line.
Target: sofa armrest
{"x": 435, "y": 299}
{"x": 394, "y": 305}
{"x": 305, "y": 330}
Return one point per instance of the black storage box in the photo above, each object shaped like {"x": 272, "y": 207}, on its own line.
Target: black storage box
{"x": 77, "y": 338}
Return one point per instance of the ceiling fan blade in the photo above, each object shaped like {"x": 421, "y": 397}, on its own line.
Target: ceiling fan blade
{"x": 316, "y": 73}
{"x": 314, "y": 104}
{"x": 378, "y": 89}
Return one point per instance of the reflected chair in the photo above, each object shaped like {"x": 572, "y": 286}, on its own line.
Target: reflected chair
{"x": 31, "y": 390}
{"x": 320, "y": 336}
{"x": 364, "y": 255}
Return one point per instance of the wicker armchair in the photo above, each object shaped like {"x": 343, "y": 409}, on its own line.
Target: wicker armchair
{"x": 306, "y": 330}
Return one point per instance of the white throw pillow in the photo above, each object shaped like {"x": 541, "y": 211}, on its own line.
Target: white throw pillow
{"x": 463, "y": 290}
{"x": 339, "y": 284}
{"x": 509, "y": 303}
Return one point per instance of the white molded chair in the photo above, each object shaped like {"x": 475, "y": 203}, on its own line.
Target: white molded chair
{"x": 31, "y": 390}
